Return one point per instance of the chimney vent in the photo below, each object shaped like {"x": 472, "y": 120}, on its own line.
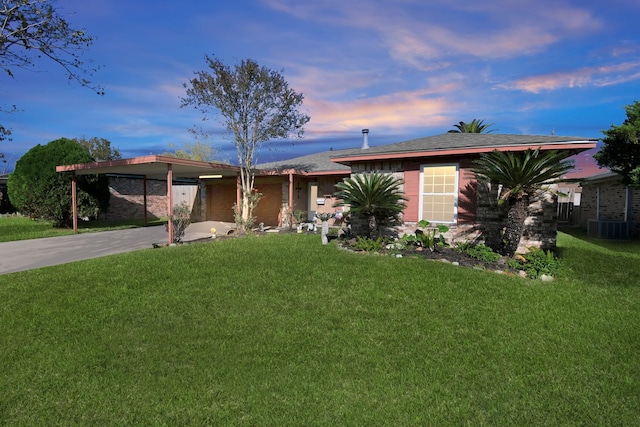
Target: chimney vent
{"x": 365, "y": 139}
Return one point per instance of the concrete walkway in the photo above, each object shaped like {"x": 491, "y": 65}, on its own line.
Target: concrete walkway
{"x": 36, "y": 253}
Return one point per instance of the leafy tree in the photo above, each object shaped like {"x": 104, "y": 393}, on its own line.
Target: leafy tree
{"x": 99, "y": 148}
{"x": 620, "y": 151}
{"x": 475, "y": 126}
{"x": 522, "y": 175}
{"x": 256, "y": 106}
{"x": 376, "y": 199}
{"x": 33, "y": 29}
{"x": 35, "y": 188}
{"x": 198, "y": 151}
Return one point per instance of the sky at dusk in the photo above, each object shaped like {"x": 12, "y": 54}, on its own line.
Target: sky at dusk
{"x": 403, "y": 69}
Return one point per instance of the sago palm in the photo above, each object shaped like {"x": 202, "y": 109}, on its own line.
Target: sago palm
{"x": 375, "y": 198}
{"x": 521, "y": 174}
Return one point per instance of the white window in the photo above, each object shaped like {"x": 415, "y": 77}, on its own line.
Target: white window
{"x": 439, "y": 193}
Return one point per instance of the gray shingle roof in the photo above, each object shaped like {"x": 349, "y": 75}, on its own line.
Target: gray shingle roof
{"x": 322, "y": 162}
{"x": 318, "y": 162}
{"x": 461, "y": 141}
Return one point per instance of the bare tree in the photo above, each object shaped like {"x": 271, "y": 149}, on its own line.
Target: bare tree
{"x": 256, "y": 106}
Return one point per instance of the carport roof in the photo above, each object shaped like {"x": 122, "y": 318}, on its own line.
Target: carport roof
{"x": 152, "y": 167}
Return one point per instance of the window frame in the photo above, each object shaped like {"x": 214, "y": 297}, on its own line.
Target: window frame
{"x": 455, "y": 193}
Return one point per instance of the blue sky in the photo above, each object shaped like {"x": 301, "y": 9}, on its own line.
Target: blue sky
{"x": 404, "y": 69}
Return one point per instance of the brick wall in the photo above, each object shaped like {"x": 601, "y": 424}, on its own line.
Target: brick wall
{"x": 612, "y": 203}
{"x": 127, "y": 198}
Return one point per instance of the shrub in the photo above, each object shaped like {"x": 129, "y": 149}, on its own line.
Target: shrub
{"x": 536, "y": 263}
{"x": 367, "y": 244}
{"x": 480, "y": 252}
{"x": 374, "y": 199}
{"x": 428, "y": 237}
{"x": 181, "y": 218}
{"x": 37, "y": 190}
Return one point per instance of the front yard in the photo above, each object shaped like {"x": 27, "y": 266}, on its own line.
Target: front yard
{"x": 281, "y": 330}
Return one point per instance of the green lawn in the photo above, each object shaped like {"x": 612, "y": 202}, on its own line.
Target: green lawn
{"x": 281, "y": 330}
{"x": 22, "y": 228}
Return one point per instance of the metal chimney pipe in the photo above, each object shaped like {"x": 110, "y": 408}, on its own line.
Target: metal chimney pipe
{"x": 365, "y": 137}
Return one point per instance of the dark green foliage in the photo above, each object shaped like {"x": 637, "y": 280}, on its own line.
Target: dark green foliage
{"x": 428, "y": 237}
{"x": 480, "y": 251}
{"x": 365, "y": 244}
{"x": 620, "y": 151}
{"x": 475, "y": 126}
{"x": 536, "y": 262}
{"x": 99, "y": 148}
{"x": 36, "y": 189}
{"x": 376, "y": 199}
{"x": 521, "y": 174}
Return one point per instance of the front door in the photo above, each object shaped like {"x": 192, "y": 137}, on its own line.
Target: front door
{"x": 313, "y": 201}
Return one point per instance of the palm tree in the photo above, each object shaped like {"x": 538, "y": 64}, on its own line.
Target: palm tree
{"x": 376, "y": 199}
{"x": 521, "y": 175}
{"x": 475, "y": 126}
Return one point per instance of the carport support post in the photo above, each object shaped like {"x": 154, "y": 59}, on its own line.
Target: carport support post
{"x": 144, "y": 198}
{"x": 170, "y": 201}
{"x": 74, "y": 202}
{"x": 290, "y": 199}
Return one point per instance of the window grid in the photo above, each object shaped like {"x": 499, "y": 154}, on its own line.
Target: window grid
{"x": 439, "y": 193}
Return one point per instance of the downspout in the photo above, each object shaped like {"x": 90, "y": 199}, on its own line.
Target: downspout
{"x": 626, "y": 204}
{"x": 144, "y": 198}
{"x": 598, "y": 202}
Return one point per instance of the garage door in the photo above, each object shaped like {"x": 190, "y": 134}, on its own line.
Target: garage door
{"x": 269, "y": 204}
{"x": 221, "y": 196}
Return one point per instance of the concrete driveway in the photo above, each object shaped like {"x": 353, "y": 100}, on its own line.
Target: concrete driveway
{"x": 36, "y": 253}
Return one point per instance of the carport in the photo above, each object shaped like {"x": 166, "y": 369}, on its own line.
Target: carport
{"x": 149, "y": 167}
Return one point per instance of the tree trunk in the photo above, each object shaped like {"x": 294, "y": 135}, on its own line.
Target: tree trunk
{"x": 246, "y": 209}
{"x": 372, "y": 227}
{"x": 514, "y": 226}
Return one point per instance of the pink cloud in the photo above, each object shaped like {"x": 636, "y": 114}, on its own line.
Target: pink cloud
{"x": 590, "y": 76}
{"x": 413, "y": 34}
{"x": 398, "y": 111}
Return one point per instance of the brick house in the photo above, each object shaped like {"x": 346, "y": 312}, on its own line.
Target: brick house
{"x": 440, "y": 187}
{"x": 435, "y": 170}
{"x": 609, "y": 208}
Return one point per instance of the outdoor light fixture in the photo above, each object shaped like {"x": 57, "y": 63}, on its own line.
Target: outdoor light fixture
{"x": 209, "y": 176}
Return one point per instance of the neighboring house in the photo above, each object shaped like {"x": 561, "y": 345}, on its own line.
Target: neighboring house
{"x": 569, "y": 194}
{"x": 609, "y": 209}
{"x": 5, "y": 205}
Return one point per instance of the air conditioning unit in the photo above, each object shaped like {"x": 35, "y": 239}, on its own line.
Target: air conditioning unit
{"x": 610, "y": 230}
